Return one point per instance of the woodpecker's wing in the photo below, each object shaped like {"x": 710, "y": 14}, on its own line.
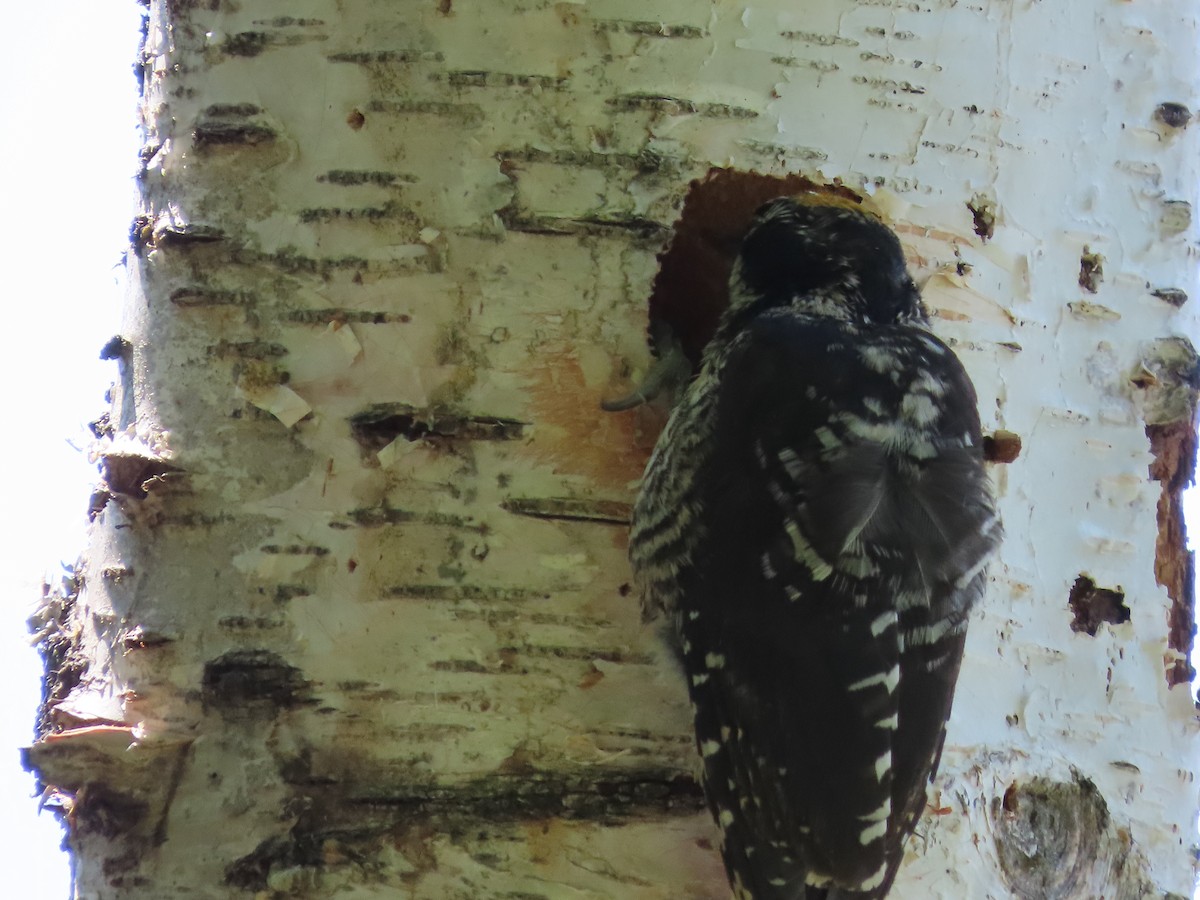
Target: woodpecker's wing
{"x": 845, "y": 521}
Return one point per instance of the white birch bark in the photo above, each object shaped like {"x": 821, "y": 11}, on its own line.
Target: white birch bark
{"x": 355, "y": 616}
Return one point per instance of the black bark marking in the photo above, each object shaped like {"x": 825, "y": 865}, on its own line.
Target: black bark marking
{"x": 1092, "y": 605}
{"x": 570, "y": 509}
{"x": 378, "y": 426}
{"x": 252, "y": 679}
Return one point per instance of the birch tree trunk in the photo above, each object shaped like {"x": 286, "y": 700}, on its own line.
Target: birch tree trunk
{"x": 355, "y": 617}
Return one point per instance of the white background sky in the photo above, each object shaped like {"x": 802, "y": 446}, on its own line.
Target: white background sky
{"x": 67, "y": 153}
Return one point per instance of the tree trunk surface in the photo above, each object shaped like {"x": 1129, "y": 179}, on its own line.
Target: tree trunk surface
{"x": 355, "y": 618}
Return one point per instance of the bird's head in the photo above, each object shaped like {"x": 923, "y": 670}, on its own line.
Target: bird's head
{"x": 826, "y": 256}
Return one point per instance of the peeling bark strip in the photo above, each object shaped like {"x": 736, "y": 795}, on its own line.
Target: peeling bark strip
{"x": 1174, "y": 466}
{"x": 1167, "y": 378}
{"x": 64, "y": 658}
{"x": 376, "y": 633}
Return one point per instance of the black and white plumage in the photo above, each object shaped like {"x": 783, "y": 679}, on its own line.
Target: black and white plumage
{"x": 816, "y": 520}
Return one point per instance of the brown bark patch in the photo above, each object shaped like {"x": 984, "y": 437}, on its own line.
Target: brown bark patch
{"x": 1001, "y": 446}
{"x": 573, "y": 435}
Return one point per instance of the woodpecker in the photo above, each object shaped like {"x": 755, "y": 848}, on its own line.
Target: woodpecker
{"x": 815, "y": 523}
